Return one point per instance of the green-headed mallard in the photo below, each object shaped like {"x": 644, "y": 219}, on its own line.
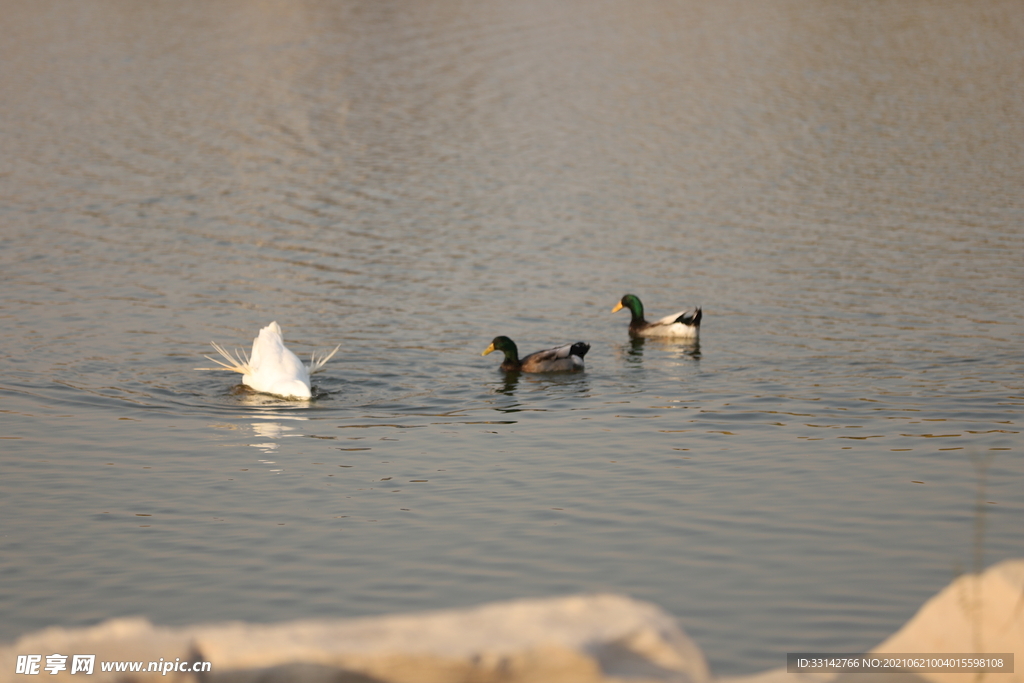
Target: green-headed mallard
{"x": 681, "y": 325}
{"x": 566, "y": 358}
{"x": 272, "y": 368}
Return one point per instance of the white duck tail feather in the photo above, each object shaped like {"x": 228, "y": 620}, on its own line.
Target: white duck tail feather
{"x": 317, "y": 364}
{"x": 235, "y": 364}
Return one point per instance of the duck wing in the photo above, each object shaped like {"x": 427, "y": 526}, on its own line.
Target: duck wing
{"x": 690, "y": 317}
{"x": 557, "y": 359}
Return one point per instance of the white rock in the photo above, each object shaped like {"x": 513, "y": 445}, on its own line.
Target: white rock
{"x": 578, "y": 639}
{"x": 976, "y": 613}
{"x": 584, "y": 639}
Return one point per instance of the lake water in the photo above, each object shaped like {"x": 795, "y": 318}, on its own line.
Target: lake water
{"x": 839, "y": 185}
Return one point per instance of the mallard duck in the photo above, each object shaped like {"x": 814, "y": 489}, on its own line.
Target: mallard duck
{"x": 684, "y": 324}
{"x": 566, "y": 358}
{"x": 272, "y": 368}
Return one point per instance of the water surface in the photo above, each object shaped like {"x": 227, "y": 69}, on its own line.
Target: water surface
{"x": 838, "y": 186}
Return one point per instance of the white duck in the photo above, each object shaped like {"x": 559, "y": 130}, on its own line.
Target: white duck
{"x": 272, "y": 368}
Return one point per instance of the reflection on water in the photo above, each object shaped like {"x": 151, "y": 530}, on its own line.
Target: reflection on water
{"x": 549, "y": 386}
{"x": 683, "y": 349}
{"x": 838, "y": 184}
{"x": 509, "y": 384}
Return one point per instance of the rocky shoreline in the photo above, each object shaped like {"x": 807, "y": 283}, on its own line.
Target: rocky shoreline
{"x": 602, "y": 638}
